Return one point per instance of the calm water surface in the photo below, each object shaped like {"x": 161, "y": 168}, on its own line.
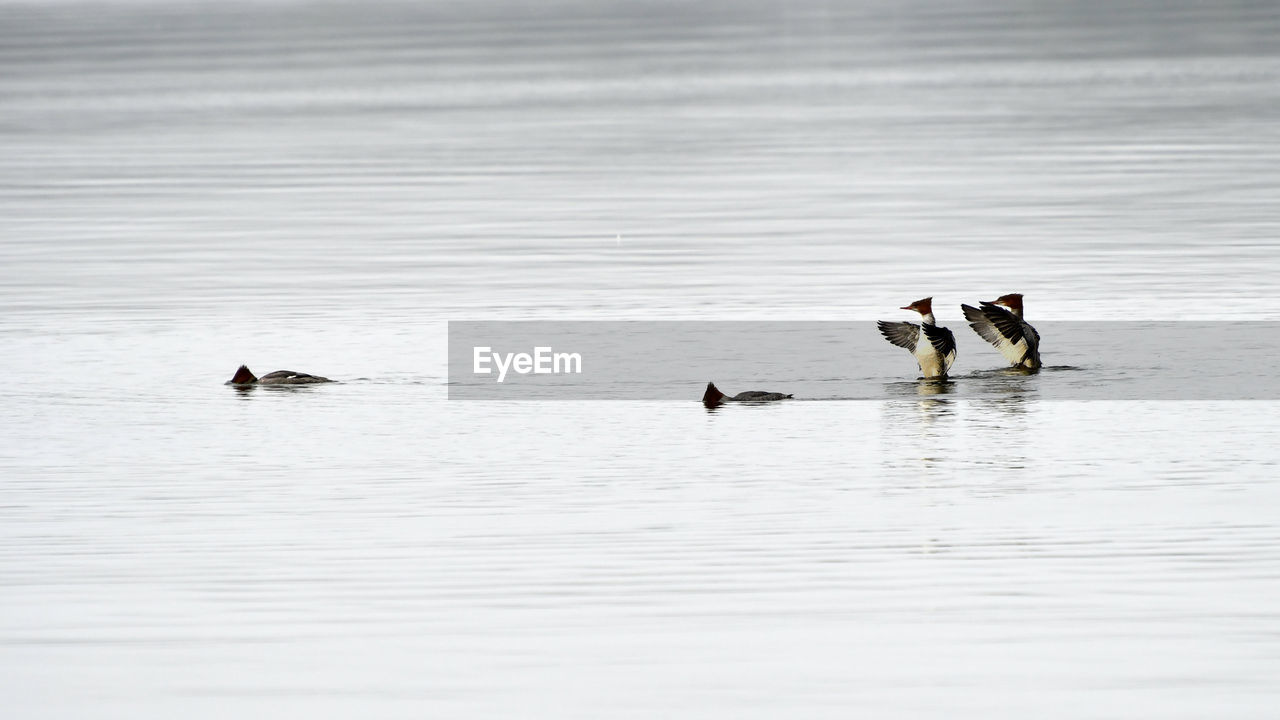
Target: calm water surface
{"x": 320, "y": 187}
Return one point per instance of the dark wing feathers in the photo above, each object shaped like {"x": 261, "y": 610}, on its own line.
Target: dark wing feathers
{"x": 1010, "y": 334}
{"x": 1005, "y": 322}
{"x": 941, "y": 339}
{"x": 758, "y": 396}
{"x": 290, "y": 377}
{"x": 902, "y": 334}
{"x": 283, "y": 374}
{"x": 981, "y": 325}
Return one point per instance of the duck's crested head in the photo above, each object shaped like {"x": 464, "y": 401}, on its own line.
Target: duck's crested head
{"x": 243, "y": 376}
{"x": 1013, "y": 301}
{"x": 924, "y": 307}
{"x": 713, "y": 396}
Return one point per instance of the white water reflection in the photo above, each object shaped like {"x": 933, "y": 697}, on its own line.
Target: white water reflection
{"x": 187, "y": 187}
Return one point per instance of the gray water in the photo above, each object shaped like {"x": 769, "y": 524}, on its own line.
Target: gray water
{"x": 185, "y": 187}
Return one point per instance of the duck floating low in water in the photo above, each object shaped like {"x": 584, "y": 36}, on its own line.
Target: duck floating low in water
{"x": 244, "y": 376}
{"x": 713, "y": 397}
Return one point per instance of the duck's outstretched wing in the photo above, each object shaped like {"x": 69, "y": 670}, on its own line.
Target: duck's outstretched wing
{"x": 943, "y": 341}
{"x": 902, "y": 334}
{"x": 999, "y": 327}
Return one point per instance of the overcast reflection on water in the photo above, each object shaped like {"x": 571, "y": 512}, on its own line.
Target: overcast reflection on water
{"x": 322, "y": 186}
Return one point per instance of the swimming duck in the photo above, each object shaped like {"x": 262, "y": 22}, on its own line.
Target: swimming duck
{"x": 713, "y": 397}
{"x": 244, "y": 376}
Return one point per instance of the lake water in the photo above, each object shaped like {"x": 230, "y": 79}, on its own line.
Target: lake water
{"x": 189, "y": 186}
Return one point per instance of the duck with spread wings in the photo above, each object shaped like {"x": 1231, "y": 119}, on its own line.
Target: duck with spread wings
{"x": 933, "y": 346}
{"x": 1006, "y": 330}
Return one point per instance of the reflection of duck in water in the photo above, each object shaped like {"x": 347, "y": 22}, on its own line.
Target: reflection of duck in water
{"x": 1014, "y": 337}
{"x": 713, "y": 397}
{"x": 936, "y": 353}
{"x": 925, "y": 388}
{"x": 920, "y": 387}
{"x": 244, "y": 376}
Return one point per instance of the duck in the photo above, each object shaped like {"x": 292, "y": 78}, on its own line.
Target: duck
{"x": 937, "y": 354}
{"x": 1006, "y": 329}
{"x": 713, "y": 397}
{"x": 244, "y": 377}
